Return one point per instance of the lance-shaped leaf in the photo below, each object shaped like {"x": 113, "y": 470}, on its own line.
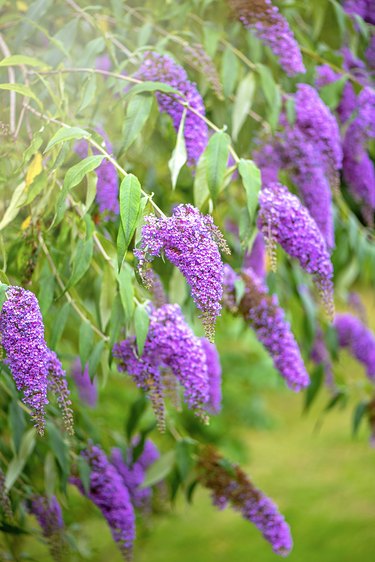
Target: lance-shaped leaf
{"x": 242, "y": 103}
{"x": 137, "y": 113}
{"x": 141, "y": 324}
{"x": 130, "y": 199}
{"x": 66, "y": 134}
{"x": 251, "y": 180}
{"x": 216, "y": 162}
{"x": 81, "y": 261}
{"x": 179, "y": 154}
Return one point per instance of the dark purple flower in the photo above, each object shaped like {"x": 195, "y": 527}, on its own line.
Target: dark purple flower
{"x": 363, "y": 8}
{"x": 108, "y": 492}
{"x": 191, "y": 242}
{"x": 22, "y": 331}
{"x": 284, "y": 220}
{"x": 87, "y": 388}
{"x": 229, "y": 484}
{"x": 214, "y": 376}
{"x": 358, "y": 339}
{"x": 162, "y": 68}
{"x": 264, "y": 19}
{"x": 58, "y": 384}
{"x": 170, "y": 345}
{"x": 49, "y": 515}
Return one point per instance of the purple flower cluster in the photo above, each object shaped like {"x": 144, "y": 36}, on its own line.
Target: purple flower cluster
{"x": 284, "y": 220}
{"x": 363, "y": 8}
{"x": 214, "y": 376}
{"x": 191, "y": 242}
{"x": 256, "y": 258}
{"x": 229, "y": 484}
{"x": 170, "y": 345}
{"x": 265, "y": 20}
{"x": 263, "y": 313}
{"x": 22, "y": 331}
{"x": 87, "y": 389}
{"x": 198, "y": 58}
{"x": 370, "y": 53}
{"x": 156, "y": 287}
{"x": 107, "y": 188}
{"x": 162, "y": 68}
{"x": 108, "y": 492}
{"x": 49, "y": 515}
{"x": 133, "y": 473}
{"x": 58, "y": 384}
{"x": 358, "y": 339}
{"x": 359, "y": 171}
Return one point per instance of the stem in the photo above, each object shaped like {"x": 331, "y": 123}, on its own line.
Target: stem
{"x": 12, "y": 95}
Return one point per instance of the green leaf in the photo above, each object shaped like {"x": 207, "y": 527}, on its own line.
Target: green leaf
{"x": 360, "y": 410}
{"x": 107, "y": 294}
{"x": 137, "y": 113}
{"x": 36, "y": 187}
{"x": 251, "y": 180}
{"x": 125, "y": 281}
{"x": 177, "y": 287}
{"x": 21, "y": 89}
{"x": 59, "y": 448}
{"x": 136, "y": 412}
{"x": 59, "y": 324}
{"x": 159, "y": 469}
{"x": 317, "y": 379}
{"x": 130, "y": 199}
{"x": 81, "y": 261}
{"x": 216, "y": 162}
{"x": 16, "y": 203}
{"x": 17, "y": 424}
{"x": 116, "y": 321}
{"x": 84, "y": 471}
{"x": 88, "y": 92}
{"x": 18, "y": 462}
{"x": 141, "y": 324}
{"x": 67, "y": 134}
{"x": 242, "y": 103}
{"x": 179, "y": 154}
{"x": 3, "y": 289}
{"x": 331, "y": 93}
{"x": 272, "y": 94}
{"x": 229, "y": 71}
{"x": 201, "y": 192}
{"x": 94, "y": 359}
{"x": 86, "y": 341}
{"x": 17, "y": 60}
{"x": 152, "y": 87}
{"x": 50, "y": 474}
{"x": 184, "y": 461}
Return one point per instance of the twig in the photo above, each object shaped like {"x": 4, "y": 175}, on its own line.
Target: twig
{"x": 12, "y": 94}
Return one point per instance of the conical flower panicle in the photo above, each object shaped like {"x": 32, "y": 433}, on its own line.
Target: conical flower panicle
{"x": 358, "y": 339}
{"x": 214, "y": 376}
{"x": 49, "y": 515}
{"x": 87, "y": 388}
{"x": 58, "y": 384}
{"x": 191, "y": 242}
{"x": 265, "y": 20}
{"x": 229, "y": 484}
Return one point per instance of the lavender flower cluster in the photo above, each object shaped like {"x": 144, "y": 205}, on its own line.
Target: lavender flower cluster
{"x": 229, "y": 484}
{"x": 358, "y": 339}
{"x": 263, "y": 313}
{"x": 191, "y": 242}
{"x": 214, "y": 376}
{"x": 49, "y": 515}
{"x": 162, "y": 68}
{"x": 34, "y": 367}
{"x": 170, "y": 346}
{"x": 265, "y": 20}
{"x": 284, "y": 220}
{"x": 109, "y": 493}
{"x": 363, "y": 8}
{"x": 87, "y": 389}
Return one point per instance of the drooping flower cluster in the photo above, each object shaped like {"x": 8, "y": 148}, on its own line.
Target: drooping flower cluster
{"x": 49, "y": 515}
{"x": 263, "y": 313}
{"x": 58, "y": 384}
{"x": 133, "y": 472}
{"x": 214, "y": 376}
{"x": 108, "y": 492}
{"x": 198, "y": 58}
{"x": 230, "y": 485}
{"x": 191, "y": 242}
{"x": 107, "y": 187}
{"x": 359, "y": 170}
{"x": 283, "y": 219}
{"x": 265, "y": 20}
{"x": 358, "y": 339}
{"x": 162, "y": 68}
{"x": 363, "y": 8}
{"x": 170, "y": 345}
{"x": 320, "y": 356}
{"x": 87, "y": 388}
{"x": 256, "y": 258}
{"x": 22, "y": 331}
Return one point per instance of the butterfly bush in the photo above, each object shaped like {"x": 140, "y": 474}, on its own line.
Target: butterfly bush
{"x": 283, "y": 219}
{"x": 170, "y": 345}
{"x": 191, "y": 242}
{"x": 358, "y": 339}
{"x": 363, "y": 8}
{"x": 230, "y": 485}
{"x": 263, "y": 313}
{"x": 214, "y": 376}
{"x": 265, "y": 21}
{"x": 162, "y": 68}
{"x": 22, "y": 332}
{"x": 108, "y": 492}
{"x": 107, "y": 187}
{"x": 256, "y": 258}
{"x": 87, "y": 389}
{"x": 133, "y": 472}
{"x": 58, "y": 384}
{"x": 49, "y": 515}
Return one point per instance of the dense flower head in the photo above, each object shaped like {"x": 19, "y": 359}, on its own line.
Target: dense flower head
{"x": 363, "y": 8}
{"x": 162, "y": 68}
{"x": 170, "y": 345}
{"x": 49, "y": 515}
{"x": 229, "y": 484}
{"x": 214, "y": 376}
{"x": 256, "y": 258}
{"x": 191, "y": 242}
{"x": 264, "y": 19}
{"x": 133, "y": 472}
{"x": 58, "y": 384}
{"x": 22, "y": 331}
{"x": 108, "y": 492}
{"x": 87, "y": 388}
{"x": 107, "y": 187}
{"x": 359, "y": 171}
{"x": 358, "y": 339}
{"x": 320, "y": 356}
{"x": 283, "y": 219}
